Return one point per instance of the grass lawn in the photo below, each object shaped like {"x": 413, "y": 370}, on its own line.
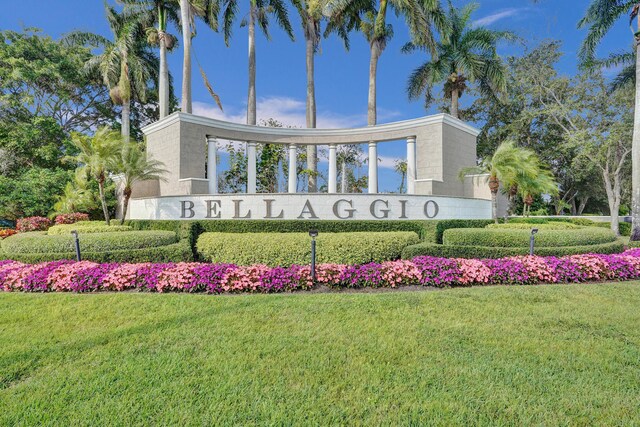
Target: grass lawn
{"x": 548, "y": 355}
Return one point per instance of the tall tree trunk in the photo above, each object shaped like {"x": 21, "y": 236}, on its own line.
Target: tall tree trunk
{"x": 494, "y": 206}
{"x": 372, "y": 114}
{"x": 103, "y": 201}
{"x": 613, "y": 198}
{"x": 125, "y": 204}
{"x": 582, "y": 205}
{"x": 186, "y": 62}
{"x": 163, "y": 78}
{"x": 251, "y": 100}
{"x": 455, "y": 100}
{"x": 343, "y": 177}
{"x": 126, "y": 120}
{"x": 635, "y": 154}
{"x": 312, "y": 150}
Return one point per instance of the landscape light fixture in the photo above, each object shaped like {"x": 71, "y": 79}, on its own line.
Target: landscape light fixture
{"x": 77, "y": 242}
{"x": 532, "y": 240}
{"x": 313, "y": 234}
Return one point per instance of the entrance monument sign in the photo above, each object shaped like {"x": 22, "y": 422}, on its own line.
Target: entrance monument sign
{"x": 437, "y": 148}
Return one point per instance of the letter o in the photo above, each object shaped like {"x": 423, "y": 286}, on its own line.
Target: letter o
{"x": 436, "y": 209}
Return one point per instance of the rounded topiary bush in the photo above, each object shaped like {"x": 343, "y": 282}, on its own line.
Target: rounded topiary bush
{"x": 83, "y": 227}
{"x": 41, "y": 243}
{"x": 509, "y": 238}
{"x": 283, "y": 249}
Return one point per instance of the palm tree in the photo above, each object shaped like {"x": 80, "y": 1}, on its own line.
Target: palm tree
{"x": 600, "y": 17}
{"x": 532, "y": 185}
{"x": 420, "y": 17}
{"x": 160, "y": 13}
{"x": 125, "y": 65}
{"x": 189, "y": 9}
{"x": 467, "y": 55}
{"x": 401, "y": 168}
{"x": 95, "y": 156}
{"x": 507, "y": 166}
{"x": 133, "y": 165}
{"x": 259, "y": 11}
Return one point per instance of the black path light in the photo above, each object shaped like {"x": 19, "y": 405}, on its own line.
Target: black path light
{"x": 313, "y": 234}
{"x": 532, "y": 240}
{"x": 77, "y": 242}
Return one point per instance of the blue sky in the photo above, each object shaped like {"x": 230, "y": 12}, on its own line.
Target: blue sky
{"x": 341, "y": 77}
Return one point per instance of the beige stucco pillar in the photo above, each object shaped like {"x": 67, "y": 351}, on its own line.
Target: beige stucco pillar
{"x": 411, "y": 165}
{"x": 212, "y": 166}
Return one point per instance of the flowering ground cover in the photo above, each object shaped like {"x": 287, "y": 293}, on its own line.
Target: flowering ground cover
{"x": 89, "y": 276}
{"x": 518, "y": 355}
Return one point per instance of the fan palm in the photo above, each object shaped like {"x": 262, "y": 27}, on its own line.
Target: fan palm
{"x": 95, "y": 156}
{"x": 133, "y": 165}
{"x": 159, "y": 13}
{"x": 259, "y": 11}
{"x": 126, "y": 65}
{"x": 532, "y": 185}
{"x": 507, "y": 166}
{"x": 190, "y": 9}
{"x": 599, "y": 18}
{"x": 466, "y": 55}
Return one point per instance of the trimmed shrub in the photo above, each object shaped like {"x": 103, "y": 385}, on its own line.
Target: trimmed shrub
{"x": 86, "y": 227}
{"x": 430, "y": 249}
{"x": 33, "y": 223}
{"x": 284, "y": 249}
{"x": 544, "y": 226}
{"x": 505, "y": 238}
{"x": 41, "y": 243}
{"x": 71, "y": 218}
{"x": 175, "y": 252}
{"x": 447, "y": 224}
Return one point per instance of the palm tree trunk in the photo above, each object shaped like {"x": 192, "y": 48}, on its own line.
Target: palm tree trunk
{"x": 251, "y": 101}
{"x": 186, "y": 62}
{"x": 312, "y": 150}
{"x": 126, "y": 120}
{"x": 125, "y": 204}
{"x": 163, "y": 78}
{"x": 635, "y": 155}
{"x": 103, "y": 201}
{"x": 372, "y": 114}
{"x": 455, "y": 99}
{"x": 494, "y": 206}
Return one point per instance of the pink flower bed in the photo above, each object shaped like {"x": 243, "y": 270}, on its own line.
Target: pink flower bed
{"x": 88, "y": 276}
{"x": 33, "y": 223}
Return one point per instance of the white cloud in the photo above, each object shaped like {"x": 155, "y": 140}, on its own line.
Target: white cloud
{"x": 498, "y": 16}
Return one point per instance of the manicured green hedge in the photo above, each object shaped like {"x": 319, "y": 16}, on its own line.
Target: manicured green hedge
{"x": 40, "y": 242}
{"x": 623, "y": 227}
{"x": 444, "y": 225}
{"x": 175, "y": 252}
{"x": 525, "y": 226}
{"x": 295, "y": 248}
{"x": 431, "y": 249}
{"x": 506, "y": 238}
{"x": 84, "y": 227}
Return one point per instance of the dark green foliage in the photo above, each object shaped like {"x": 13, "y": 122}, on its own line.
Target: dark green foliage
{"x": 175, "y": 252}
{"x": 39, "y": 242}
{"x": 508, "y": 238}
{"x": 284, "y": 249}
{"x": 446, "y": 251}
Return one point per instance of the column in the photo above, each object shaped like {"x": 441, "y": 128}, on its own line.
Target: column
{"x": 293, "y": 168}
{"x": 251, "y": 167}
{"x": 212, "y": 166}
{"x": 333, "y": 169}
{"x": 373, "y": 167}
{"x": 411, "y": 165}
